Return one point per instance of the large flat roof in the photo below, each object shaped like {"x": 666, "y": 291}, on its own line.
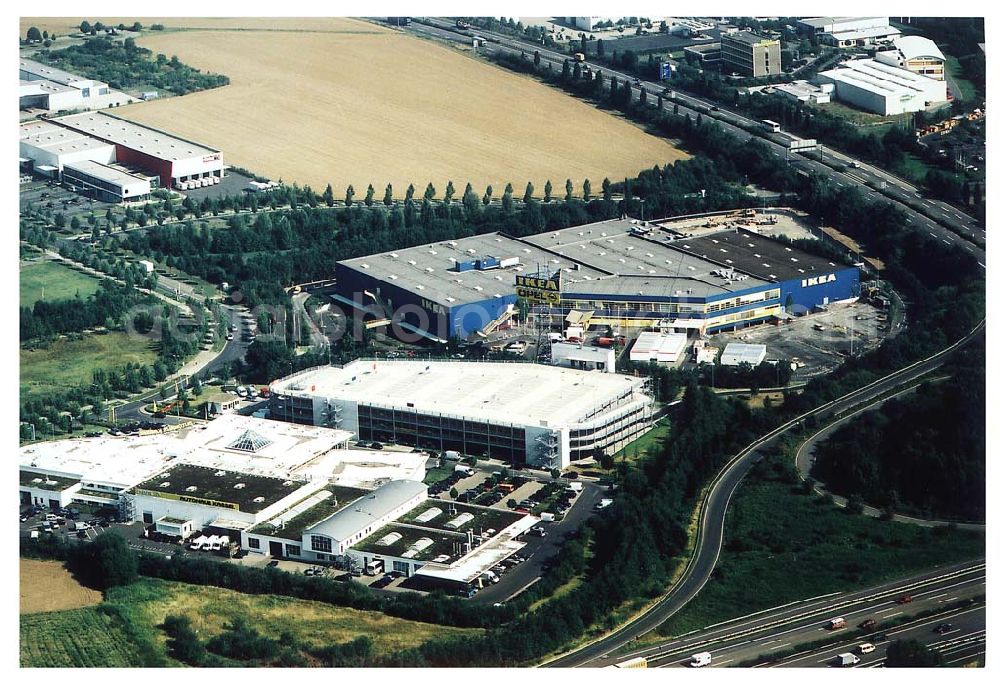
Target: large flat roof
{"x": 43, "y": 481}
{"x": 147, "y": 140}
{"x": 264, "y": 447}
{"x": 322, "y": 504}
{"x": 620, "y": 257}
{"x": 247, "y": 492}
{"x": 503, "y": 393}
{"x": 880, "y": 77}
{"x": 117, "y": 176}
{"x": 421, "y": 544}
{"x": 429, "y": 269}
{"x": 764, "y": 258}
{"x": 353, "y": 518}
{"x": 52, "y": 73}
{"x": 56, "y": 139}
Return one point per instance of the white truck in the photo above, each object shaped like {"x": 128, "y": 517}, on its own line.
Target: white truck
{"x": 576, "y": 486}
{"x": 210, "y": 543}
{"x": 847, "y": 660}
{"x": 700, "y": 660}
{"x": 463, "y": 469}
{"x": 452, "y": 455}
{"x": 197, "y": 543}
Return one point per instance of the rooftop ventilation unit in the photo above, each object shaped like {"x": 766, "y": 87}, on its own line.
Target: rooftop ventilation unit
{"x": 240, "y": 486}
{"x": 191, "y": 489}
{"x": 258, "y": 500}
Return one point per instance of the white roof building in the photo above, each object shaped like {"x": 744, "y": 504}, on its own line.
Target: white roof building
{"x": 917, "y": 54}
{"x": 883, "y": 89}
{"x": 579, "y": 356}
{"x": 739, "y": 353}
{"x": 533, "y": 414}
{"x": 657, "y": 347}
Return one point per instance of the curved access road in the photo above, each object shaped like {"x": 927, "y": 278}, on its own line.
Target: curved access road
{"x": 711, "y": 523}
{"x": 804, "y": 460}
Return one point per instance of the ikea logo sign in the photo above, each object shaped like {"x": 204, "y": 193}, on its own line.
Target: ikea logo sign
{"x": 822, "y": 279}
{"x": 538, "y": 283}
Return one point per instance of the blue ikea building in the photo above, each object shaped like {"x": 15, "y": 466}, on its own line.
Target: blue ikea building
{"x": 619, "y": 272}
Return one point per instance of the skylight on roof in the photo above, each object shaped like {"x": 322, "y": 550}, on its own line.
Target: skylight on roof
{"x": 249, "y": 441}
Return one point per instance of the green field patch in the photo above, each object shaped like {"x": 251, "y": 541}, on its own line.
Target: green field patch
{"x": 782, "y": 545}
{"x": 68, "y": 362}
{"x": 953, "y": 70}
{"x": 53, "y": 281}
{"x": 91, "y": 637}
{"x": 149, "y": 601}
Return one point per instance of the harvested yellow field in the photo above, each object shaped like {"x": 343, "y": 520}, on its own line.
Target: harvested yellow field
{"x": 48, "y": 586}
{"x": 352, "y": 103}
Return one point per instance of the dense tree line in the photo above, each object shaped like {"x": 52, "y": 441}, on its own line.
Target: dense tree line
{"x": 124, "y": 65}
{"x": 108, "y": 306}
{"x": 921, "y": 453}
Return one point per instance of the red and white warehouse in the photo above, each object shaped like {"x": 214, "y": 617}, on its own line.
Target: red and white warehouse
{"x": 179, "y": 163}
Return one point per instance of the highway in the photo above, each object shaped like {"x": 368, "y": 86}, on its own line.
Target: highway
{"x": 708, "y": 542}
{"x": 777, "y": 630}
{"x": 940, "y": 220}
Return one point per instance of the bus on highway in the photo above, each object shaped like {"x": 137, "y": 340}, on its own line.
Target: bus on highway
{"x": 770, "y": 126}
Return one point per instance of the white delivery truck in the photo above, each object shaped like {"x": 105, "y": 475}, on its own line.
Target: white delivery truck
{"x": 211, "y": 542}
{"x": 547, "y": 516}
{"x": 463, "y": 469}
{"x": 452, "y": 455}
{"x": 197, "y": 543}
{"x": 847, "y": 660}
{"x": 576, "y": 486}
{"x": 700, "y": 660}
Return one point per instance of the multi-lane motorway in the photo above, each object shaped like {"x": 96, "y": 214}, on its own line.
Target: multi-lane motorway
{"x": 777, "y": 631}
{"x": 958, "y": 230}
{"x": 940, "y": 220}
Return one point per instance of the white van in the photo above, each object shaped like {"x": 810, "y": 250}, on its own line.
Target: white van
{"x": 701, "y": 660}
{"x": 865, "y": 648}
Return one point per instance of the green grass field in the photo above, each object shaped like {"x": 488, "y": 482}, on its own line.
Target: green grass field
{"x": 53, "y": 281}
{"x": 782, "y": 545}
{"x": 124, "y": 631}
{"x": 954, "y": 71}
{"x": 645, "y": 444}
{"x": 70, "y": 362}
{"x": 435, "y": 474}
{"x": 81, "y": 638}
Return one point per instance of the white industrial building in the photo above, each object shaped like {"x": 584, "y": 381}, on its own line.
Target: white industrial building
{"x": 531, "y": 414}
{"x": 658, "y": 347}
{"x": 806, "y": 92}
{"x": 106, "y": 183}
{"x": 917, "y": 54}
{"x": 883, "y": 89}
{"x": 47, "y": 87}
{"x": 850, "y": 31}
{"x": 579, "y": 356}
{"x": 47, "y": 147}
{"x": 739, "y": 353}
{"x": 177, "y": 162}
{"x": 99, "y": 470}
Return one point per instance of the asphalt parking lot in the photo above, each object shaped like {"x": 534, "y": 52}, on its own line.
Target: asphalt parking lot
{"x": 232, "y": 183}
{"x": 816, "y": 351}
{"x": 39, "y": 194}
